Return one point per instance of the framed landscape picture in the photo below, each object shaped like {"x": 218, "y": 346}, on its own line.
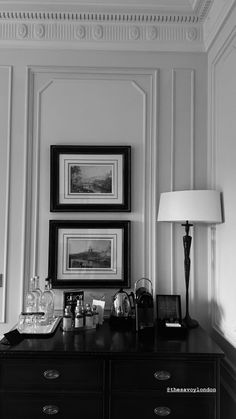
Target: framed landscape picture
{"x": 90, "y": 178}
{"x": 89, "y": 253}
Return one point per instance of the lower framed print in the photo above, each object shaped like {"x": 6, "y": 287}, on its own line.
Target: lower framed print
{"x": 89, "y": 254}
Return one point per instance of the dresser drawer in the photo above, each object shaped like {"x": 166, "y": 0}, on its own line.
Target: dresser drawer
{"x": 20, "y": 406}
{"x": 139, "y": 406}
{"x": 52, "y": 375}
{"x": 160, "y": 374}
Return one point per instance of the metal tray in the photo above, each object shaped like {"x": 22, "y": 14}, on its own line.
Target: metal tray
{"x": 41, "y": 330}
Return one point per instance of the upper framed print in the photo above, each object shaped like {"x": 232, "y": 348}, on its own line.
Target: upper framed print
{"x": 89, "y": 253}
{"x": 90, "y": 178}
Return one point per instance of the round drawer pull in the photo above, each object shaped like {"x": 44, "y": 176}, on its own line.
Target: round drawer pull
{"x": 50, "y": 409}
{"x": 51, "y": 374}
{"x": 162, "y": 411}
{"x": 162, "y": 375}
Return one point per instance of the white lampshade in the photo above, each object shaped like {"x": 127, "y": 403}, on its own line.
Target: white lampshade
{"x": 197, "y": 206}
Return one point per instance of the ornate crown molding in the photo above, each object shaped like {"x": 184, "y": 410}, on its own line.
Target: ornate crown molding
{"x": 85, "y": 32}
{"x": 109, "y": 27}
{"x": 86, "y": 28}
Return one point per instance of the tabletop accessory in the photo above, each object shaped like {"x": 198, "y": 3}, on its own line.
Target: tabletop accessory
{"x": 122, "y": 310}
{"x": 144, "y": 306}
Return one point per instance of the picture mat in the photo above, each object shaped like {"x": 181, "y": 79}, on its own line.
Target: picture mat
{"x": 68, "y": 160}
{"x": 84, "y": 246}
{"x": 91, "y": 171}
{"x": 114, "y": 272}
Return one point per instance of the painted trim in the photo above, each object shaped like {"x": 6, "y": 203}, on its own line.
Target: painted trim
{"x": 101, "y": 26}
{"x": 36, "y": 159}
{"x": 102, "y": 13}
{"x": 145, "y": 152}
{"x": 172, "y": 169}
{"x": 6, "y": 235}
{"x": 192, "y": 130}
{"x": 137, "y": 34}
{"x": 154, "y": 175}
{"x": 157, "y": 27}
{"x": 192, "y": 179}
{"x": 27, "y": 198}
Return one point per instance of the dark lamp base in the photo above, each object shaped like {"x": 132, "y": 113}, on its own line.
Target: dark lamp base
{"x": 190, "y": 323}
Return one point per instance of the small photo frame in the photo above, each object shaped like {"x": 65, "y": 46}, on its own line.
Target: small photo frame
{"x": 89, "y": 253}
{"x": 70, "y": 299}
{"x": 90, "y": 178}
{"x": 169, "y": 317}
{"x": 168, "y": 307}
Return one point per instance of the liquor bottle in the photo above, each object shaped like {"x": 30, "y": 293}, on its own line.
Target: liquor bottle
{"x": 46, "y": 304}
{"x": 88, "y": 316}
{"x": 67, "y": 320}
{"x": 95, "y": 316}
{"x": 36, "y": 291}
{"x": 30, "y": 299}
{"x": 36, "y": 285}
{"x": 79, "y": 315}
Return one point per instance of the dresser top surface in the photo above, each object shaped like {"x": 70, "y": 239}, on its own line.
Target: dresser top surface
{"x": 112, "y": 343}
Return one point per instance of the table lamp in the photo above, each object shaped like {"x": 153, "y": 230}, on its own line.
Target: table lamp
{"x": 194, "y": 206}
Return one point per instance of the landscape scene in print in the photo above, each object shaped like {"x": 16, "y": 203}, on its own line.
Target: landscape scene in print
{"x": 89, "y": 253}
{"x": 91, "y": 178}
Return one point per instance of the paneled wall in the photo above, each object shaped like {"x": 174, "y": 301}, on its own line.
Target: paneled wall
{"x": 222, "y": 174}
{"x": 154, "y": 102}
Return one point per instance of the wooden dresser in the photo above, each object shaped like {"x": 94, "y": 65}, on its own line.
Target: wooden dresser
{"x": 107, "y": 374}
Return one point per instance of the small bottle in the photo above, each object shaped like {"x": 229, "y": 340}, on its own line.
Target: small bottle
{"x": 95, "y": 316}
{"x": 79, "y": 315}
{"x": 83, "y": 314}
{"x": 81, "y": 305}
{"x": 88, "y": 317}
{"x": 30, "y": 299}
{"x": 77, "y": 307}
{"x": 67, "y": 320}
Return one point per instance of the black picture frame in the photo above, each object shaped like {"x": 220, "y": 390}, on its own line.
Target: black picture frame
{"x": 90, "y": 178}
{"x": 89, "y": 254}
{"x": 168, "y": 307}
